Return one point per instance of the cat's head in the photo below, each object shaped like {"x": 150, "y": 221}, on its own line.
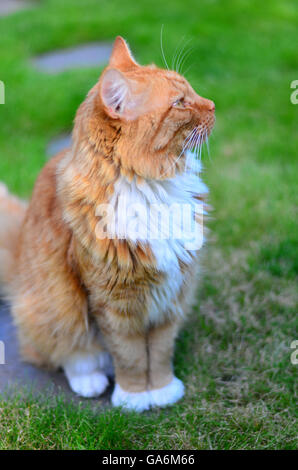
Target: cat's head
{"x": 154, "y": 114}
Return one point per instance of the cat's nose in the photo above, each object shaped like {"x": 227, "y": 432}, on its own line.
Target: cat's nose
{"x": 206, "y": 105}
{"x": 211, "y": 106}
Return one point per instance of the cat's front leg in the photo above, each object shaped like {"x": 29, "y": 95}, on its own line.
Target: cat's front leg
{"x": 131, "y": 373}
{"x": 165, "y": 389}
{"x": 128, "y": 346}
{"x": 143, "y": 366}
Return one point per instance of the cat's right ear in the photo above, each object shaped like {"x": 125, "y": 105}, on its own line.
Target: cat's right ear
{"x": 121, "y": 56}
{"x": 118, "y": 95}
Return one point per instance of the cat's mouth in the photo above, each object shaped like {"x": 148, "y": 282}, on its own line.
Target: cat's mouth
{"x": 205, "y": 128}
{"x": 195, "y": 137}
{"x": 198, "y": 135}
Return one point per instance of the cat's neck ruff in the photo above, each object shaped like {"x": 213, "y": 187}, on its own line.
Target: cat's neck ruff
{"x": 187, "y": 190}
{"x": 140, "y": 203}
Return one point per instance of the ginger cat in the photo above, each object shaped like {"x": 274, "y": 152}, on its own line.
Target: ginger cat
{"x": 81, "y": 292}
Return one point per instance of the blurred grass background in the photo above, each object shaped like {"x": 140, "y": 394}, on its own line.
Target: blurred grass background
{"x": 234, "y": 353}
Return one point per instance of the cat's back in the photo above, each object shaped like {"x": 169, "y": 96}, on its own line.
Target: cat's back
{"x": 43, "y": 225}
{"x": 44, "y": 196}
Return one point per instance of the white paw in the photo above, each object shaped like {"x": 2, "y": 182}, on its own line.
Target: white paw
{"x": 89, "y": 385}
{"x": 129, "y": 400}
{"x": 167, "y": 395}
{"x": 84, "y": 375}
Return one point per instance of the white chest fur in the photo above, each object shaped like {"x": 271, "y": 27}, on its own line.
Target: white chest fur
{"x": 139, "y": 213}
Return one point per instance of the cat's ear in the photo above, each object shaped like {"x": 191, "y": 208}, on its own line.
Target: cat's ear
{"x": 118, "y": 95}
{"x": 121, "y": 57}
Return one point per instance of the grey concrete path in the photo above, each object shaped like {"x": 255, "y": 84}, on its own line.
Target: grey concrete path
{"x": 60, "y": 143}
{"x": 10, "y": 6}
{"x": 17, "y": 373}
{"x": 85, "y": 55}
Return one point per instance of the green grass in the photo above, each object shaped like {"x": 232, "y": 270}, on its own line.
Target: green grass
{"x": 234, "y": 353}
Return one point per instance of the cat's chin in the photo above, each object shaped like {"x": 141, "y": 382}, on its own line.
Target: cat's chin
{"x": 142, "y": 401}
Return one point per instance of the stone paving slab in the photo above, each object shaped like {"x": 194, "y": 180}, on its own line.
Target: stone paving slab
{"x": 60, "y": 143}
{"x": 17, "y": 373}
{"x": 86, "y": 55}
{"x": 10, "y": 6}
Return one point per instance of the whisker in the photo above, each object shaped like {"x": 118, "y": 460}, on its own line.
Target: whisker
{"x": 176, "y": 52}
{"x": 178, "y": 57}
{"x": 161, "y": 47}
{"x": 207, "y": 146}
{"x": 201, "y": 146}
{"x": 194, "y": 140}
{"x": 197, "y": 149}
{"x": 184, "y": 60}
{"x": 207, "y": 143}
{"x": 181, "y": 56}
{"x": 184, "y": 148}
{"x": 204, "y": 147}
{"x": 190, "y": 156}
{"x": 187, "y": 70}
{"x": 190, "y": 143}
{"x": 196, "y": 144}
{"x": 188, "y": 139}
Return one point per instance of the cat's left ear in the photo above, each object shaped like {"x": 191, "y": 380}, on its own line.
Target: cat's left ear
{"x": 121, "y": 57}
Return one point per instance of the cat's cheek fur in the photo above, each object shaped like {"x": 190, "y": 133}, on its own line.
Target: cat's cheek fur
{"x": 84, "y": 375}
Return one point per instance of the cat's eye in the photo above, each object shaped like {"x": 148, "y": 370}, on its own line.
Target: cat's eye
{"x": 179, "y": 103}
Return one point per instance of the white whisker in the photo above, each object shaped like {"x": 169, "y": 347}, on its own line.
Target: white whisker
{"x": 207, "y": 146}
{"x": 181, "y": 56}
{"x": 197, "y": 145}
{"x": 176, "y": 53}
{"x": 161, "y": 47}
{"x": 193, "y": 150}
{"x": 185, "y": 58}
{"x": 184, "y": 148}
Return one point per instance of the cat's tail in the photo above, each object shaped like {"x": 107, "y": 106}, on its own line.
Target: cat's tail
{"x": 12, "y": 213}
